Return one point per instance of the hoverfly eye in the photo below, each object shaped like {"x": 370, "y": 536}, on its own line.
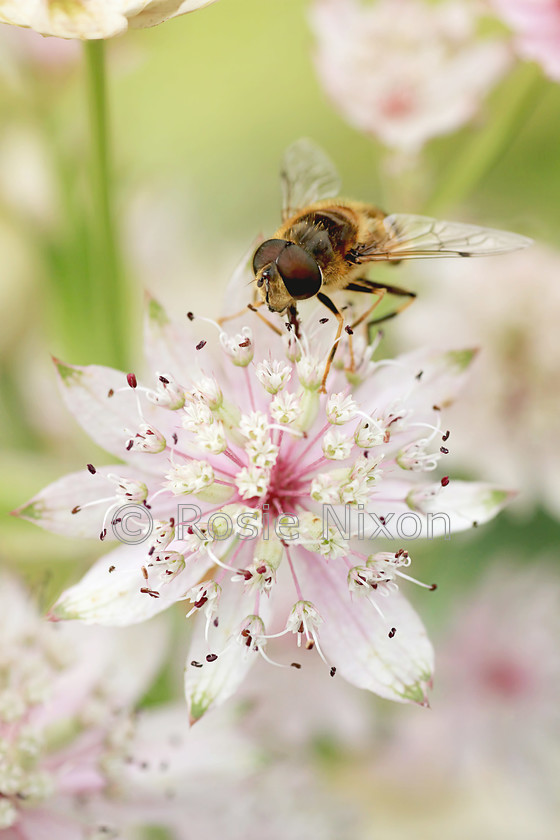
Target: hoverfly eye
{"x": 300, "y": 272}
{"x": 268, "y": 253}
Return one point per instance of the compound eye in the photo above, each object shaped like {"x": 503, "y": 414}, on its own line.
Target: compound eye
{"x": 300, "y": 272}
{"x": 268, "y": 253}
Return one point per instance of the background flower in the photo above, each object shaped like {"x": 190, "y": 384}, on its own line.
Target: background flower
{"x": 536, "y": 27}
{"x": 92, "y": 18}
{"x": 511, "y": 306}
{"x": 405, "y": 71}
{"x": 74, "y": 754}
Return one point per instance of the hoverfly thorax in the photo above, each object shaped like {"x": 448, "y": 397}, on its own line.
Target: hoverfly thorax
{"x": 284, "y": 273}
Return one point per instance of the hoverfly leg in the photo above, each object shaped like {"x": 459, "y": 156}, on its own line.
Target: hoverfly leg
{"x": 398, "y": 292}
{"x": 330, "y": 305}
{"x": 253, "y": 308}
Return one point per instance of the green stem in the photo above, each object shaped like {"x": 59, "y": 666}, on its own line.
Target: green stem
{"x": 109, "y": 295}
{"x": 484, "y": 148}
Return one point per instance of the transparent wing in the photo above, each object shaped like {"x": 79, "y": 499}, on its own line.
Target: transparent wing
{"x": 307, "y": 175}
{"x": 413, "y": 237}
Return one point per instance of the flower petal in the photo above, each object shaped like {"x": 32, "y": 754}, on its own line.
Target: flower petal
{"x": 424, "y": 378}
{"x": 355, "y": 638}
{"x": 109, "y": 414}
{"x": 157, "y": 11}
{"x": 465, "y": 503}
{"x": 212, "y": 684}
{"x": 52, "y": 507}
{"x": 110, "y": 592}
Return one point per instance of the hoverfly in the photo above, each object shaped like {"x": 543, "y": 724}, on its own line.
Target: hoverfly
{"x": 325, "y": 244}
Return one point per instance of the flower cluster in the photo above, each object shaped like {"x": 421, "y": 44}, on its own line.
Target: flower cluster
{"x": 76, "y": 760}
{"x": 92, "y": 19}
{"x": 254, "y": 495}
{"x": 405, "y": 71}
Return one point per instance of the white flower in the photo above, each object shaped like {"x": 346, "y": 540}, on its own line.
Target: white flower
{"x": 92, "y": 19}
{"x": 405, "y": 70}
{"x": 259, "y": 541}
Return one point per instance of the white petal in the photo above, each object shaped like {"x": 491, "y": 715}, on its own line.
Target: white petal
{"x": 465, "y": 503}
{"x": 170, "y": 347}
{"x": 425, "y": 378}
{"x": 109, "y": 417}
{"x": 355, "y": 638}
{"x": 113, "y": 598}
{"x": 52, "y": 507}
{"x": 158, "y": 11}
{"x": 213, "y": 683}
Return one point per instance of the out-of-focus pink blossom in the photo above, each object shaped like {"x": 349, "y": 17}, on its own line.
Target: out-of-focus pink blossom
{"x": 536, "y": 25}
{"x": 495, "y": 710}
{"x": 76, "y": 761}
{"x": 405, "y": 71}
{"x": 511, "y": 309}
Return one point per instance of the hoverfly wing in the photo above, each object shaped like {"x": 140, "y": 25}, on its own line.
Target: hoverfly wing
{"x": 307, "y": 175}
{"x": 414, "y": 237}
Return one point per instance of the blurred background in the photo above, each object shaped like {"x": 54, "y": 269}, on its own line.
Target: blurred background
{"x": 201, "y": 110}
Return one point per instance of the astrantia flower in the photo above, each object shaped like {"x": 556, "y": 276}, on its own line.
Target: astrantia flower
{"x": 245, "y": 487}
{"x": 536, "y": 25}
{"x": 93, "y": 19}
{"x": 76, "y": 761}
{"x": 405, "y": 71}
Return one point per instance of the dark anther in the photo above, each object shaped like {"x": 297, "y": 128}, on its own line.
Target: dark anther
{"x": 445, "y": 481}
{"x": 190, "y": 316}
{"x": 110, "y": 392}
{"x": 129, "y": 445}
{"x": 246, "y": 343}
{"x": 200, "y": 603}
{"x": 103, "y": 534}
{"x": 436, "y": 408}
{"x": 475, "y": 524}
{"x": 151, "y": 592}
{"x": 323, "y": 320}
{"x": 261, "y": 570}
{"x": 92, "y": 469}
{"x": 76, "y": 509}
{"x": 196, "y": 664}
{"x": 131, "y": 379}
{"x": 433, "y": 587}
{"x": 446, "y": 436}
{"x": 216, "y": 622}
{"x": 349, "y": 330}
{"x": 164, "y": 380}
{"x": 175, "y": 438}
{"x": 419, "y": 375}
{"x": 392, "y": 632}
{"x": 200, "y": 345}
{"x": 211, "y": 657}
{"x": 333, "y": 671}
{"x": 111, "y": 568}
{"x": 444, "y": 450}
{"x": 295, "y": 665}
